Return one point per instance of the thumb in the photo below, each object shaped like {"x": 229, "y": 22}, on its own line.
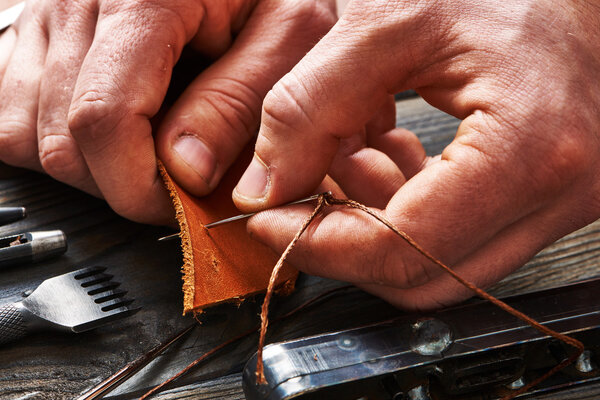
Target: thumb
{"x": 304, "y": 117}
{"x": 328, "y": 96}
{"x": 219, "y": 112}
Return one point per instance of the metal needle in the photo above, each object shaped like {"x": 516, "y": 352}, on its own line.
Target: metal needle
{"x": 242, "y": 216}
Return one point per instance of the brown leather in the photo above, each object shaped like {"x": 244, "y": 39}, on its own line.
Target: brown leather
{"x": 223, "y": 263}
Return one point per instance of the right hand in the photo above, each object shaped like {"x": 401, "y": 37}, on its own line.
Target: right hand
{"x": 521, "y": 172}
{"x": 81, "y": 79}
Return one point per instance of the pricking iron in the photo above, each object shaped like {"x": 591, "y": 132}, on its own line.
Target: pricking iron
{"x": 468, "y": 352}
{"x": 72, "y": 302}
{"x": 31, "y": 247}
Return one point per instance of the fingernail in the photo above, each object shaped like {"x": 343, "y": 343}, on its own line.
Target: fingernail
{"x": 194, "y": 153}
{"x": 255, "y": 182}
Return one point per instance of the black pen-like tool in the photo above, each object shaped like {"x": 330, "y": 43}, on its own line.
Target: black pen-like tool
{"x": 11, "y": 214}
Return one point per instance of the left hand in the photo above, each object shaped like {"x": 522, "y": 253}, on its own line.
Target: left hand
{"x": 81, "y": 79}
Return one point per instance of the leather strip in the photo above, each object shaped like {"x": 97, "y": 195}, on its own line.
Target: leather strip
{"x": 223, "y": 264}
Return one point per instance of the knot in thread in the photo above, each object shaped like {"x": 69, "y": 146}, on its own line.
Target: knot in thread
{"x": 328, "y": 198}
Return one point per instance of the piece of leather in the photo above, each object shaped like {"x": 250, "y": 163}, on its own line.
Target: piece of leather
{"x": 222, "y": 263}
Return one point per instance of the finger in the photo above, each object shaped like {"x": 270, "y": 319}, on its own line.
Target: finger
{"x": 366, "y": 175}
{"x": 20, "y": 92}
{"x": 7, "y": 44}
{"x": 122, "y": 82}
{"x": 403, "y": 147}
{"x": 452, "y": 209}
{"x": 508, "y": 250}
{"x": 220, "y": 111}
{"x": 300, "y": 130}
{"x": 336, "y": 88}
{"x": 339, "y": 244}
{"x": 219, "y": 27}
{"x": 71, "y": 31}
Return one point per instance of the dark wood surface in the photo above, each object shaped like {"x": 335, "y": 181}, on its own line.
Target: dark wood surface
{"x": 60, "y": 366}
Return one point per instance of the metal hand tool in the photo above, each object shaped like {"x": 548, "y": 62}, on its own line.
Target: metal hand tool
{"x": 73, "y": 302}
{"x": 471, "y": 351}
{"x": 11, "y": 214}
{"x": 31, "y": 247}
{"x": 242, "y": 216}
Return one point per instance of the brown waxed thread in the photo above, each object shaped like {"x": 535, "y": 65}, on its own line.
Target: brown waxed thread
{"x": 249, "y": 332}
{"x": 328, "y": 200}
{"x": 264, "y": 321}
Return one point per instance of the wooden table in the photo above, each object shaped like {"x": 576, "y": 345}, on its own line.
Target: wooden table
{"x": 61, "y": 366}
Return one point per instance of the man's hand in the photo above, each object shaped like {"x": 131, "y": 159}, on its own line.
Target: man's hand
{"x": 521, "y": 172}
{"x": 81, "y": 80}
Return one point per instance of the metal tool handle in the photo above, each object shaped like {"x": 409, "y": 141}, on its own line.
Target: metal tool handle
{"x": 12, "y": 324}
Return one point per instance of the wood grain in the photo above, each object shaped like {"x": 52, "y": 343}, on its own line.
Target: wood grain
{"x": 59, "y": 366}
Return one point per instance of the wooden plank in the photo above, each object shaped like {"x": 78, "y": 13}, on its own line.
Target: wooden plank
{"x": 225, "y": 388}
{"x": 58, "y": 366}
{"x": 434, "y": 128}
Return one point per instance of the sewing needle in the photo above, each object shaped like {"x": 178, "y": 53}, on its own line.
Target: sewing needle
{"x": 242, "y": 216}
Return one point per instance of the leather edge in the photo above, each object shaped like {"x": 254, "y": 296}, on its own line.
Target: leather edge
{"x": 187, "y": 268}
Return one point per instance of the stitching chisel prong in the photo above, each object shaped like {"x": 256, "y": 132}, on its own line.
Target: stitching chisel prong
{"x": 243, "y": 216}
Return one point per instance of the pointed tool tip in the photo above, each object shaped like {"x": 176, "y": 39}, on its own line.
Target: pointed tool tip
{"x": 169, "y": 237}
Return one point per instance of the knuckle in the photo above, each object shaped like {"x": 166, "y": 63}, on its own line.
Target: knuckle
{"x": 162, "y": 19}
{"x": 237, "y": 105}
{"x": 17, "y": 143}
{"x": 399, "y": 272}
{"x": 393, "y": 264}
{"x": 562, "y": 158}
{"x": 64, "y": 13}
{"x": 568, "y": 158}
{"x": 283, "y": 106}
{"x": 129, "y": 209}
{"x": 35, "y": 12}
{"x": 59, "y": 160}
{"x": 139, "y": 206}
{"x": 311, "y": 15}
{"x": 92, "y": 114}
{"x": 547, "y": 157}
